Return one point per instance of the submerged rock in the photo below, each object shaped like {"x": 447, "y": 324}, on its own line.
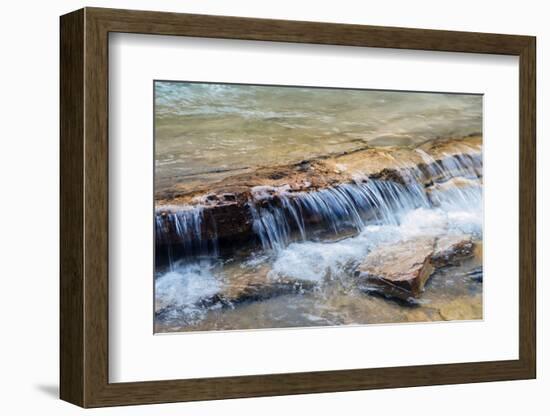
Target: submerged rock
{"x": 237, "y": 287}
{"x": 398, "y": 270}
{"x": 254, "y": 285}
{"x": 465, "y": 307}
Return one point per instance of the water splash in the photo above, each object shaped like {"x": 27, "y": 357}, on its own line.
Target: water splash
{"x": 321, "y": 260}
{"x": 183, "y": 290}
{"x": 351, "y": 207}
{"x": 280, "y": 216}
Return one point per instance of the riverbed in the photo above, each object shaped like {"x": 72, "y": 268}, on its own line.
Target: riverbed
{"x": 205, "y": 132}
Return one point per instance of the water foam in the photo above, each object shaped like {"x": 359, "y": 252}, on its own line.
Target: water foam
{"x": 185, "y": 286}
{"x": 317, "y": 261}
{"x": 287, "y": 225}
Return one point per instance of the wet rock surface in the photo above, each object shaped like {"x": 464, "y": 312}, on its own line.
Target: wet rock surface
{"x": 451, "y": 250}
{"x": 445, "y": 298}
{"x": 242, "y": 286}
{"x": 401, "y": 270}
{"x": 459, "y": 184}
{"x": 255, "y": 298}
{"x": 398, "y": 270}
{"x": 325, "y": 171}
{"x": 226, "y": 207}
{"x": 254, "y": 285}
{"x": 434, "y": 275}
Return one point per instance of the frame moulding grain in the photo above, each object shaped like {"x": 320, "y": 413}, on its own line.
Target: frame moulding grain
{"x": 84, "y": 218}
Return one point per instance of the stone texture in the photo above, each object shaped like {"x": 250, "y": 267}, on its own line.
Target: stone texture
{"x": 254, "y": 285}
{"x": 451, "y": 250}
{"x": 398, "y": 270}
{"x": 324, "y": 171}
{"x": 225, "y": 203}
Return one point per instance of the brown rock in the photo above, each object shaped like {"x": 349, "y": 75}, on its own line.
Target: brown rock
{"x": 244, "y": 286}
{"x": 227, "y": 220}
{"x": 254, "y": 285}
{"x": 223, "y": 225}
{"x": 398, "y": 270}
{"x": 451, "y": 250}
{"x": 324, "y": 171}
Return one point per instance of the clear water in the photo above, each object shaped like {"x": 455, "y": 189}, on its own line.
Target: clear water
{"x": 204, "y": 132}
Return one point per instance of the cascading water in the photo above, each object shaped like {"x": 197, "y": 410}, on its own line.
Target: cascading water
{"x": 296, "y": 230}
{"x": 183, "y": 233}
{"x": 344, "y": 208}
{"x": 468, "y": 165}
{"x": 272, "y": 203}
{"x": 349, "y": 207}
{"x": 367, "y": 201}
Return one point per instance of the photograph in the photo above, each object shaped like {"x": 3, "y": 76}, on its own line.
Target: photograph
{"x": 295, "y": 207}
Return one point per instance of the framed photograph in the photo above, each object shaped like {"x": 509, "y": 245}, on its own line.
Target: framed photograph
{"x": 255, "y": 207}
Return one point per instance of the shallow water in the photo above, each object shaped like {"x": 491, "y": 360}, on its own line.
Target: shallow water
{"x": 452, "y": 295}
{"x": 328, "y": 293}
{"x": 204, "y": 132}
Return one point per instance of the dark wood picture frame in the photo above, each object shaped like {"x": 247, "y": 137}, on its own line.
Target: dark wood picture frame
{"x": 84, "y": 207}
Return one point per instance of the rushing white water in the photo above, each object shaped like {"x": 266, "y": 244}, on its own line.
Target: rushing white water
{"x": 291, "y": 251}
{"x": 189, "y": 227}
{"x": 181, "y": 290}
{"x": 353, "y": 206}
{"x": 345, "y": 207}
{"x": 317, "y": 261}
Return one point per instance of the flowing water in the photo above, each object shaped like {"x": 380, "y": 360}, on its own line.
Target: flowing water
{"x": 309, "y": 244}
{"x": 328, "y": 266}
{"x": 321, "y": 260}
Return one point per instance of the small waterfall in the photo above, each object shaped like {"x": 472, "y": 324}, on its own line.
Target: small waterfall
{"x": 271, "y": 225}
{"x": 465, "y": 198}
{"x": 280, "y": 216}
{"x": 346, "y": 207}
{"x": 183, "y": 234}
{"x": 458, "y": 183}
{"x": 350, "y": 207}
